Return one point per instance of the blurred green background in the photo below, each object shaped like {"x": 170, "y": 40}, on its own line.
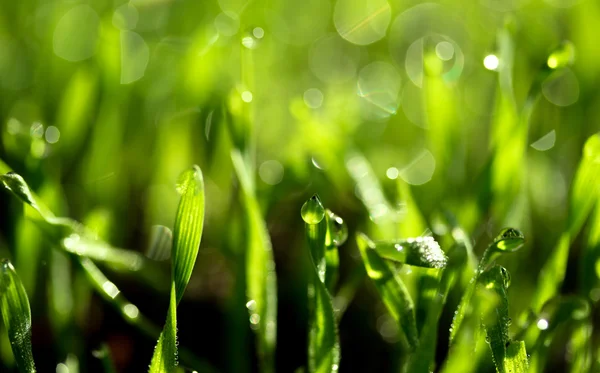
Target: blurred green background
{"x": 479, "y": 109}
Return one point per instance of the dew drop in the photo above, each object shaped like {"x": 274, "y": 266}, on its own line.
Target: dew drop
{"x": 505, "y": 277}
{"x": 313, "y": 211}
{"x": 338, "y": 228}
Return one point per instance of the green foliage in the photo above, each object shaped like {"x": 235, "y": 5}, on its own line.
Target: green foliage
{"x": 428, "y": 126}
{"x": 16, "y": 314}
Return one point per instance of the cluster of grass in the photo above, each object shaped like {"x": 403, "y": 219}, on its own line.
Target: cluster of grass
{"x": 381, "y": 186}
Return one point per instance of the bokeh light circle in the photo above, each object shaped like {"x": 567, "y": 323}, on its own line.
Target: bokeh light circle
{"x": 362, "y": 22}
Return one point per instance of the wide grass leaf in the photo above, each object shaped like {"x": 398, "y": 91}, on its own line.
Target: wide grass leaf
{"x": 188, "y": 227}
{"x": 187, "y": 233}
{"x": 16, "y": 314}
{"x": 391, "y": 289}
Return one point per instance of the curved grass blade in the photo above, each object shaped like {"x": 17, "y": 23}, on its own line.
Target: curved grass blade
{"x": 260, "y": 268}
{"x": 323, "y": 340}
{"x": 509, "y": 240}
{"x": 420, "y": 252}
{"x": 16, "y": 314}
{"x": 189, "y": 222}
{"x": 68, "y": 234}
{"x": 391, "y": 289}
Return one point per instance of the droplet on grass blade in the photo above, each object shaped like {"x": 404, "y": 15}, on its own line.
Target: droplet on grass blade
{"x": 313, "y": 211}
{"x": 509, "y": 240}
{"x": 420, "y": 251}
{"x": 16, "y": 184}
{"x": 338, "y": 229}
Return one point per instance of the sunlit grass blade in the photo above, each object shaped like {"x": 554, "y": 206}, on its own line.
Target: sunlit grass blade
{"x": 391, "y": 289}
{"x": 260, "y": 268}
{"x": 509, "y": 240}
{"x": 188, "y": 228}
{"x": 420, "y": 252}
{"x": 516, "y": 360}
{"x": 323, "y": 340}
{"x": 16, "y": 314}
{"x": 584, "y": 194}
{"x": 187, "y": 234}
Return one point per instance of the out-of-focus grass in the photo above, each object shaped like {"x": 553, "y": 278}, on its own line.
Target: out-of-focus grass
{"x": 448, "y": 119}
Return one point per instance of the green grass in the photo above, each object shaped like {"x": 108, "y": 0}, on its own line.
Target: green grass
{"x": 456, "y": 144}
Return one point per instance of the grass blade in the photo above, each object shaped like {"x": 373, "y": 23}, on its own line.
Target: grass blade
{"x": 16, "y": 314}
{"x": 422, "y": 361}
{"x": 509, "y": 240}
{"x": 68, "y": 234}
{"x": 189, "y": 222}
{"x": 420, "y": 252}
{"x": 164, "y": 359}
{"x": 260, "y": 268}
{"x": 497, "y": 280}
{"x": 188, "y": 228}
{"x": 391, "y": 289}
{"x": 323, "y": 340}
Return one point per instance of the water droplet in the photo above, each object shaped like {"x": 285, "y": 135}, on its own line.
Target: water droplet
{"x": 251, "y": 305}
{"x": 509, "y": 239}
{"x": 313, "y": 211}
{"x": 505, "y": 277}
{"x": 338, "y": 228}
{"x": 542, "y": 324}
{"x": 131, "y": 311}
